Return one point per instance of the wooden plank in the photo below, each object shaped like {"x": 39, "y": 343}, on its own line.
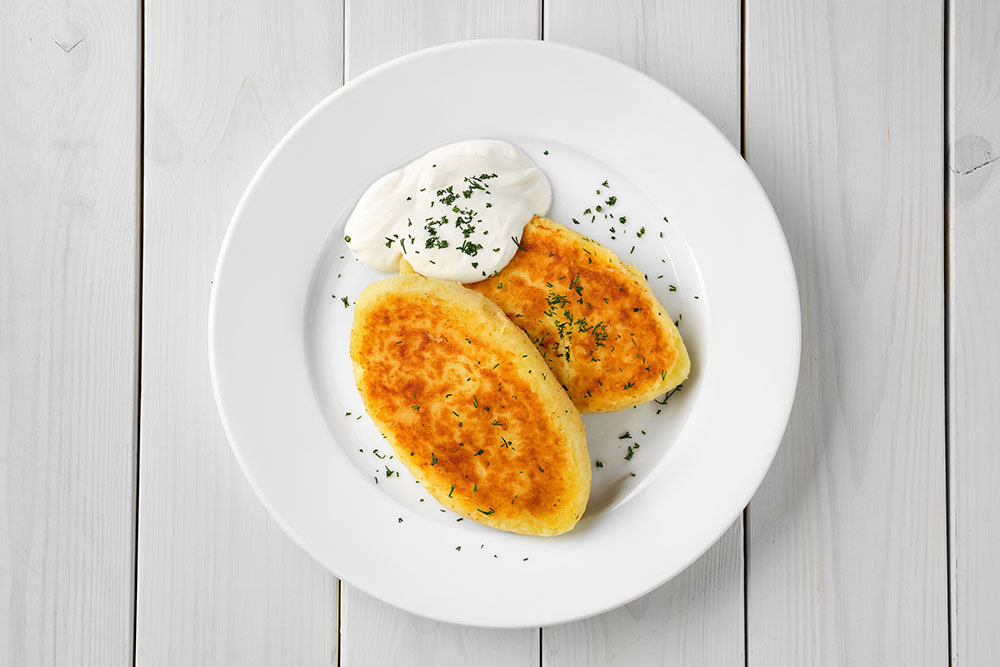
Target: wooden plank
{"x": 847, "y": 536}
{"x": 68, "y": 227}
{"x": 373, "y": 632}
{"x": 693, "y": 47}
{"x": 380, "y": 30}
{"x": 219, "y": 583}
{"x": 974, "y": 314}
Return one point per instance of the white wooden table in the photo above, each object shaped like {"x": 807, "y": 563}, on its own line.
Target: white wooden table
{"x": 128, "y": 130}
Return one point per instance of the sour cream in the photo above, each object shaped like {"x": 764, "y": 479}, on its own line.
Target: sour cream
{"x": 457, "y": 213}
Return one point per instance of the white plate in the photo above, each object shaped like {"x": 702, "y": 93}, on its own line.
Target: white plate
{"x": 281, "y": 367}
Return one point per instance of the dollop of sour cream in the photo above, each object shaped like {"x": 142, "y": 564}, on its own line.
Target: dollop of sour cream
{"x": 456, "y": 213}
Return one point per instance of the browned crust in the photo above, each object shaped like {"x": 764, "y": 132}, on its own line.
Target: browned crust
{"x": 593, "y": 318}
{"x": 469, "y": 406}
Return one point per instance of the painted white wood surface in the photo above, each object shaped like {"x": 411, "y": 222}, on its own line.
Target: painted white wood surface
{"x": 219, "y": 583}
{"x": 974, "y": 313}
{"x": 691, "y": 46}
{"x": 697, "y": 618}
{"x": 371, "y": 632}
{"x": 374, "y": 633}
{"x": 68, "y": 320}
{"x": 847, "y": 536}
{"x": 380, "y": 30}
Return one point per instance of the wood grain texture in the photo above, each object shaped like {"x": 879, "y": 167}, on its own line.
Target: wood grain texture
{"x": 847, "y": 536}
{"x": 694, "y": 48}
{"x": 691, "y": 46}
{"x": 218, "y": 582}
{"x": 380, "y": 30}
{"x": 372, "y": 632}
{"x": 69, "y": 128}
{"x": 974, "y": 314}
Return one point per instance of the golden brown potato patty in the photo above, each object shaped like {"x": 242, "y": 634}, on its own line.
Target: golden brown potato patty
{"x": 469, "y": 406}
{"x": 594, "y": 319}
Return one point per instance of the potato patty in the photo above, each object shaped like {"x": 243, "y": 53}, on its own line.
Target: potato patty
{"x": 469, "y": 406}
{"x": 593, "y": 318}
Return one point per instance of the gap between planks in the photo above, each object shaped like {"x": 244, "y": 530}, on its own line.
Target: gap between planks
{"x": 140, "y": 149}
{"x": 946, "y": 298}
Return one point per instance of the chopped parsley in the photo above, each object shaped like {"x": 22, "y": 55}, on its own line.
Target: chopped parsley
{"x": 666, "y": 397}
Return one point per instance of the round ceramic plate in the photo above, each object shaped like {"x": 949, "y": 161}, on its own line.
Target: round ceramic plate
{"x": 672, "y": 476}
